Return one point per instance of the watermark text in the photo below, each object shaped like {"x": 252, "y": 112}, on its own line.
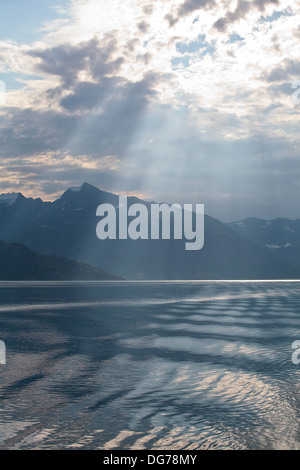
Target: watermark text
{"x": 2, "y": 353}
{"x": 154, "y": 221}
{"x": 296, "y": 353}
{"x": 296, "y": 94}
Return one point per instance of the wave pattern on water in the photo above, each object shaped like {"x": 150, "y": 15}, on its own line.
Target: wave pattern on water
{"x": 150, "y": 366}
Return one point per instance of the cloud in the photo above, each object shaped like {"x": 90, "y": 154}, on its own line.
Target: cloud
{"x": 143, "y": 26}
{"x": 86, "y": 96}
{"x": 288, "y": 69}
{"x": 104, "y": 101}
{"x": 26, "y": 132}
{"x": 148, "y": 9}
{"x": 111, "y": 131}
{"x": 189, "y": 6}
{"x": 107, "y": 131}
{"x": 242, "y": 9}
{"x": 297, "y": 32}
{"x": 67, "y": 61}
{"x": 246, "y": 174}
{"x": 56, "y": 173}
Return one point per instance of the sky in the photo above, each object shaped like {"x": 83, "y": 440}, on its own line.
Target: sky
{"x": 188, "y": 101}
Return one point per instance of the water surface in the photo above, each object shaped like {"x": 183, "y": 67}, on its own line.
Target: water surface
{"x": 149, "y": 365}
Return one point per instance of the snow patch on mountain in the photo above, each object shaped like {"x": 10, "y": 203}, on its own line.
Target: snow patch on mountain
{"x": 8, "y": 199}
{"x": 288, "y": 228}
{"x": 275, "y": 246}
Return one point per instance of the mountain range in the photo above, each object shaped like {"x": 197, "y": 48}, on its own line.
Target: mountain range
{"x": 281, "y": 236}
{"x": 66, "y": 228}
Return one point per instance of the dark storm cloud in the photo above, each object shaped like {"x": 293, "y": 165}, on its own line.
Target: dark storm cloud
{"x": 243, "y": 7}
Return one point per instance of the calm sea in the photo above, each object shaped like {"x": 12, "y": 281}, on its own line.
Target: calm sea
{"x": 150, "y": 365}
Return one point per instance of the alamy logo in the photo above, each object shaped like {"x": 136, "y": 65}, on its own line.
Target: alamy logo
{"x": 296, "y": 354}
{"x": 296, "y": 94}
{"x": 162, "y": 222}
{"x": 2, "y": 353}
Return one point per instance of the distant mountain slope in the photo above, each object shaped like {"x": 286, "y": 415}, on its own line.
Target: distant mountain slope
{"x": 67, "y": 227}
{"x": 281, "y": 236}
{"x": 19, "y": 263}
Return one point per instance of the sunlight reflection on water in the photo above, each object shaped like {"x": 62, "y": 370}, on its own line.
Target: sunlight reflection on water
{"x": 153, "y": 366}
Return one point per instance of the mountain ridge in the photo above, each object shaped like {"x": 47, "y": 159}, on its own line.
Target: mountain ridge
{"x": 20, "y": 263}
{"x": 67, "y": 227}
{"x": 281, "y": 235}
